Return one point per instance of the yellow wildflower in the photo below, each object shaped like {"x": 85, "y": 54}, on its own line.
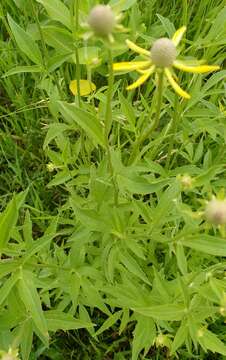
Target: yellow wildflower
{"x": 163, "y": 57}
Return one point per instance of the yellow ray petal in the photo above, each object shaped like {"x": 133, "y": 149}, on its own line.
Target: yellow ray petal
{"x": 175, "y": 85}
{"x": 130, "y": 65}
{"x": 199, "y": 69}
{"x": 86, "y": 87}
{"x": 142, "y": 71}
{"x": 141, "y": 79}
{"x": 178, "y": 35}
{"x": 137, "y": 48}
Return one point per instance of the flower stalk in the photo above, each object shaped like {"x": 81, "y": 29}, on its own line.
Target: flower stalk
{"x": 108, "y": 122}
{"x": 155, "y": 123}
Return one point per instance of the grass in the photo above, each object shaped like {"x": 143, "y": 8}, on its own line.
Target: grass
{"x": 104, "y": 254}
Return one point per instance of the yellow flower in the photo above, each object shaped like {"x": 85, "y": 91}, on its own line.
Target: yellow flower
{"x": 161, "y": 56}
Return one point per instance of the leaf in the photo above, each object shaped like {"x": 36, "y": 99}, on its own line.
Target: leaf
{"x": 131, "y": 264}
{"x": 143, "y": 335}
{"x": 212, "y": 245}
{"x": 167, "y": 25}
{"x": 57, "y": 11}
{"x": 112, "y": 319}
{"x": 93, "y": 297}
{"x": 58, "y": 320}
{"x": 87, "y": 121}
{"x": 180, "y": 337}
{"x": 26, "y": 343}
{"x": 54, "y": 130}
{"x": 198, "y": 152}
{"x": 206, "y": 176}
{"x": 38, "y": 245}
{"x": 7, "y": 287}
{"x": 23, "y": 69}
{"x": 30, "y": 297}
{"x": 60, "y": 39}
{"x": 165, "y": 204}
{"x": 25, "y": 42}
{"x": 7, "y": 266}
{"x": 128, "y": 111}
{"x": 86, "y": 87}
{"x": 181, "y": 258}
{"x": 56, "y": 61}
{"x": 27, "y": 229}
{"x": 139, "y": 185}
{"x": 211, "y": 342}
{"x": 213, "y": 80}
{"x": 169, "y": 312}
{"x": 217, "y": 27}
{"x": 122, "y": 5}
{"x": 84, "y": 316}
{"x": 8, "y": 219}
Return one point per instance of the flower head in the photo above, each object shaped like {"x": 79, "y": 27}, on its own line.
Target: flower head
{"x": 163, "y": 56}
{"x": 163, "y": 52}
{"x": 102, "y": 20}
{"x": 215, "y": 212}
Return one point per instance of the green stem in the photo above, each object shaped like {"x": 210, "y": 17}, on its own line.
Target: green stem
{"x": 78, "y": 76}
{"x": 154, "y": 124}
{"x": 75, "y": 35}
{"x": 185, "y": 12}
{"x": 108, "y": 122}
{"x": 174, "y": 129}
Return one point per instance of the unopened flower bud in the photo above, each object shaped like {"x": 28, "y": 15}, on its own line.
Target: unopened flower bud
{"x": 215, "y": 212}
{"x": 163, "y": 52}
{"x": 51, "y": 167}
{"x": 102, "y": 20}
{"x": 186, "y": 181}
{"x": 10, "y": 355}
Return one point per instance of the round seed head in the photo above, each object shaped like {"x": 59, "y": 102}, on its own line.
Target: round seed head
{"x": 215, "y": 212}
{"x": 163, "y": 52}
{"x": 102, "y": 20}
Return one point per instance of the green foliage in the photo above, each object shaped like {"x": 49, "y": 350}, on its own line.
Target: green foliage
{"x": 105, "y": 252}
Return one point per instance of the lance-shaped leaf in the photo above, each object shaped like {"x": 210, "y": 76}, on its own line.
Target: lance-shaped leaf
{"x": 30, "y": 297}
{"x": 25, "y": 42}
{"x": 84, "y": 119}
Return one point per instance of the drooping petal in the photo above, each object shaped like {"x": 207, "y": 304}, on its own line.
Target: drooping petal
{"x": 86, "y": 87}
{"x": 130, "y": 65}
{"x": 178, "y": 35}
{"x": 137, "y": 48}
{"x": 199, "y": 69}
{"x": 175, "y": 85}
{"x": 141, "y": 79}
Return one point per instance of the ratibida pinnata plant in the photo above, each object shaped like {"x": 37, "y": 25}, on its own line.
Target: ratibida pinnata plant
{"x": 161, "y": 59}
